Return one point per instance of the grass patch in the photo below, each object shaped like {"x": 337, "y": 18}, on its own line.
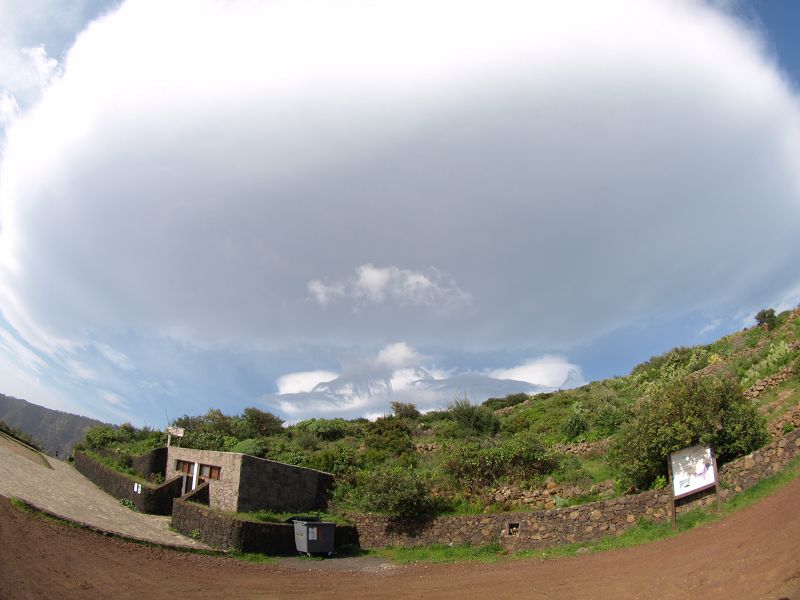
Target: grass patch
{"x": 268, "y": 516}
{"x": 24, "y": 507}
{"x": 252, "y": 557}
{"x": 442, "y": 553}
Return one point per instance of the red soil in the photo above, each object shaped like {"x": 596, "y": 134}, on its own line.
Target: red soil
{"x": 754, "y": 553}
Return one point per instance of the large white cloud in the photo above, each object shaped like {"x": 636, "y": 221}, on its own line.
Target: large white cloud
{"x": 368, "y": 384}
{"x": 317, "y": 172}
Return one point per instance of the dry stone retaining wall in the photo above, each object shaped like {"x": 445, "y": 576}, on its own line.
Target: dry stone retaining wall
{"x": 151, "y": 500}
{"x": 224, "y": 531}
{"x": 531, "y": 530}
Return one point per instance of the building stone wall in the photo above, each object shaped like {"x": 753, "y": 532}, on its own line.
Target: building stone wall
{"x": 248, "y": 483}
{"x": 266, "y": 484}
{"x": 223, "y": 493}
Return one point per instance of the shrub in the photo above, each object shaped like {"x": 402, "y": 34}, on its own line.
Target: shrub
{"x": 306, "y": 440}
{"x": 100, "y": 436}
{"x": 396, "y": 491}
{"x": 476, "y": 466}
{"x": 766, "y": 317}
{"x": 207, "y": 440}
{"x": 339, "y": 459}
{"x": 261, "y": 423}
{"x": 328, "y": 430}
{"x": 250, "y": 446}
{"x": 608, "y": 417}
{"x": 405, "y": 410}
{"x": 510, "y": 400}
{"x": 575, "y": 426}
{"x": 389, "y": 435}
{"x": 687, "y": 412}
{"x": 472, "y": 419}
{"x": 778, "y": 355}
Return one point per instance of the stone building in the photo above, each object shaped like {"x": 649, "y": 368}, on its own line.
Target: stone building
{"x": 243, "y": 483}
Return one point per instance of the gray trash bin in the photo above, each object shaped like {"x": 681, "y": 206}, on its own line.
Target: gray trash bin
{"x": 313, "y": 536}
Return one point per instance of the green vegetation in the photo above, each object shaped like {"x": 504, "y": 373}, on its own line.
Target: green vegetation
{"x": 268, "y": 516}
{"x": 128, "y": 504}
{"x": 454, "y": 460}
{"x": 766, "y": 317}
{"x": 19, "y": 435}
{"x": 686, "y": 412}
{"x": 440, "y": 553}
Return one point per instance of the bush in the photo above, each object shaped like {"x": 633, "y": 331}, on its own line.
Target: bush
{"x": 101, "y": 436}
{"x": 339, "y": 459}
{"x": 766, "y": 317}
{"x": 389, "y": 435}
{"x": 405, "y": 410}
{"x": 687, "y": 412}
{"x": 328, "y": 430}
{"x": 476, "y": 466}
{"x": 397, "y": 491}
{"x": 261, "y": 423}
{"x": 472, "y": 419}
{"x": 608, "y": 417}
{"x": 510, "y": 400}
{"x": 250, "y": 446}
{"x": 575, "y": 426}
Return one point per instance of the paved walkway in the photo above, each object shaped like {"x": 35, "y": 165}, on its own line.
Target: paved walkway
{"x": 58, "y": 488}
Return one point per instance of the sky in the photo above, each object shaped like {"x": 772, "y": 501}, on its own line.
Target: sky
{"x": 316, "y": 207}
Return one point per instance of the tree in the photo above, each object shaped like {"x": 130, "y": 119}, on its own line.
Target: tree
{"x": 405, "y": 410}
{"x": 686, "y": 412}
{"x": 261, "y": 423}
{"x": 766, "y": 318}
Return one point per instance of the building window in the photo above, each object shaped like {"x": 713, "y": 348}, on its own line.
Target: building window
{"x": 204, "y": 471}
{"x": 209, "y": 472}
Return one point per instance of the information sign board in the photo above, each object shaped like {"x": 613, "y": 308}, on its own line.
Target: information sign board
{"x": 693, "y": 470}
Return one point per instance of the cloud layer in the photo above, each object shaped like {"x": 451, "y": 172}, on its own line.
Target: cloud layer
{"x": 522, "y": 174}
{"x": 367, "y": 385}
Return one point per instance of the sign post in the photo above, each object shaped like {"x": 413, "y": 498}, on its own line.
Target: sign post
{"x": 176, "y": 431}
{"x": 691, "y": 470}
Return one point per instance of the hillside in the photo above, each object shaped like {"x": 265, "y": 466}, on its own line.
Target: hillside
{"x": 523, "y": 451}
{"x": 54, "y": 430}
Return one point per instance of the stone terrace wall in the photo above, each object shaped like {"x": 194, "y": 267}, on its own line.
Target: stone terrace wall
{"x": 151, "y": 500}
{"x": 154, "y": 461}
{"x": 266, "y": 484}
{"x": 531, "y": 530}
{"x": 226, "y": 532}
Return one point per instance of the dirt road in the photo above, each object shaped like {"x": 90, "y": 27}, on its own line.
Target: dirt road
{"x": 754, "y": 553}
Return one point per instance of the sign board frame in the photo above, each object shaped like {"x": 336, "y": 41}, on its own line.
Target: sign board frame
{"x": 178, "y": 432}
{"x": 697, "y": 468}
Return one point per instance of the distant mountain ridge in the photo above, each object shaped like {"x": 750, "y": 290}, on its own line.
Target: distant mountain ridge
{"x": 55, "y": 430}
